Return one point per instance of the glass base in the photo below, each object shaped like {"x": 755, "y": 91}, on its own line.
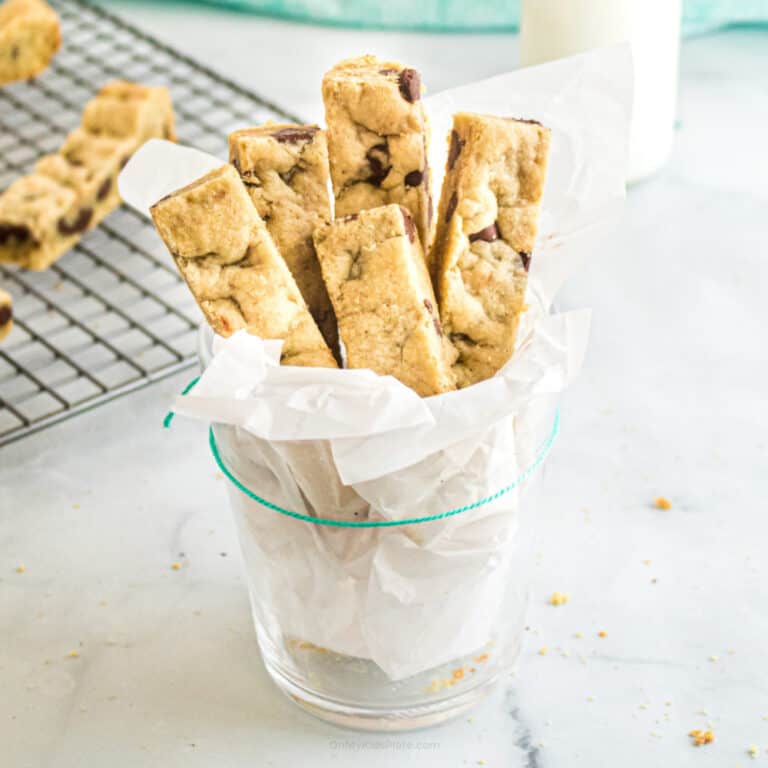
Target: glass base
{"x": 393, "y": 716}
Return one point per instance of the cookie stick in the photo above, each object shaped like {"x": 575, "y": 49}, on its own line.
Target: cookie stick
{"x": 224, "y": 252}
{"x": 486, "y": 230}
{"x": 6, "y": 314}
{"x": 43, "y": 214}
{"x": 378, "y": 283}
{"x": 29, "y": 37}
{"x": 377, "y": 139}
{"x": 285, "y": 168}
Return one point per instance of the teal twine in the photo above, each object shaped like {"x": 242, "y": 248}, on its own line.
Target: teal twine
{"x": 169, "y": 416}
{"x": 545, "y": 449}
{"x": 542, "y": 454}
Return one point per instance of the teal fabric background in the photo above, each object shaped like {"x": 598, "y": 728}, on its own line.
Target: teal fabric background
{"x": 470, "y": 15}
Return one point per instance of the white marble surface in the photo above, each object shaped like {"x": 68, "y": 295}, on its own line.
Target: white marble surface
{"x": 671, "y": 401}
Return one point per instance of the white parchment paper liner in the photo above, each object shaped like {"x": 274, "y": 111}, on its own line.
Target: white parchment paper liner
{"x": 350, "y": 445}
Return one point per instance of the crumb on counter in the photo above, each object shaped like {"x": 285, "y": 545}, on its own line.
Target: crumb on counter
{"x": 21, "y": 568}
{"x": 73, "y": 655}
{"x": 543, "y": 650}
{"x": 558, "y": 598}
{"x": 175, "y": 566}
{"x": 602, "y": 633}
{"x": 701, "y": 737}
{"x": 481, "y": 658}
{"x": 714, "y": 657}
{"x": 662, "y": 503}
{"x": 579, "y": 635}
{"x": 753, "y": 752}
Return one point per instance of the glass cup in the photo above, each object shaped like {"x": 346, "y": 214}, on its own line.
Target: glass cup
{"x": 364, "y": 619}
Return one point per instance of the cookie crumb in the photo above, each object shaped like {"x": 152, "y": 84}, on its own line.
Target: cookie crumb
{"x": 701, "y": 737}
{"x": 602, "y": 633}
{"x": 175, "y": 566}
{"x": 543, "y": 650}
{"x": 558, "y": 598}
{"x": 579, "y": 635}
{"x": 713, "y": 657}
{"x": 662, "y": 503}
{"x": 21, "y": 569}
{"x": 753, "y": 752}
{"x": 73, "y": 655}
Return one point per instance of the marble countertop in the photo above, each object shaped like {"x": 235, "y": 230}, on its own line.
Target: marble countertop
{"x": 671, "y": 402}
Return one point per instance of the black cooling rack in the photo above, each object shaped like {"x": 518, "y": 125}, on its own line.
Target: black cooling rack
{"x": 112, "y": 315}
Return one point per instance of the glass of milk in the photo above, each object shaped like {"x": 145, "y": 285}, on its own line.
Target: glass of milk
{"x": 552, "y": 29}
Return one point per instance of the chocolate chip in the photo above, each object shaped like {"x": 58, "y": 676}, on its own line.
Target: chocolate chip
{"x": 410, "y": 85}
{"x": 80, "y": 224}
{"x": 6, "y": 313}
{"x": 526, "y": 259}
{"x": 462, "y": 338}
{"x": 452, "y": 203}
{"x": 17, "y": 232}
{"x": 410, "y": 227}
{"x": 524, "y": 120}
{"x": 73, "y": 159}
{"x": 455, "y": 149}
{"x": 378, "y": 160}
{"x": 15, "y": 52}
{"x": 294, "y": 135}
{"x": 103, "y": 190}
{"x": 435, "y": 320}
{"x": 414, "y": 178}
{"x": 486, "y": 234}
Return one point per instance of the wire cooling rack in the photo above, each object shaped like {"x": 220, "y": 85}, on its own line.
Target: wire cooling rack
{"x": 112, "y": 315}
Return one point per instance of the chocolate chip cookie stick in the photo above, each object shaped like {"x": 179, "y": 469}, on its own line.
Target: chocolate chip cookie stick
{"x": 29, "y": 37}
{"x": 43, "y": 214}
{"x": 377, "y": 280}
{"x": 486, "y": 229}
{"x": 377, "y": 139}
{"x": 224, "y": 252}
{"x": 285, "y": 168}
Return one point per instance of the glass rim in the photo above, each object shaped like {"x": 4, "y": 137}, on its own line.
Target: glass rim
{"x": 541, "y": 454}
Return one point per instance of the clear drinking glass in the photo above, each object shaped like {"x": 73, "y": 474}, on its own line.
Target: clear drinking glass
{"x": 370, "y": 622}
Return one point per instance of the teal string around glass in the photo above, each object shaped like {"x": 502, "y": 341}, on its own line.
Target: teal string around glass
{"x": 469, "y": 15}
{"x": 541, "y": 454}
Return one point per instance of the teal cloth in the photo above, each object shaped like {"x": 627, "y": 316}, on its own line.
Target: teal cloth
{"x": 470, "y": 15}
